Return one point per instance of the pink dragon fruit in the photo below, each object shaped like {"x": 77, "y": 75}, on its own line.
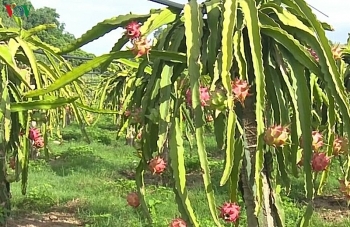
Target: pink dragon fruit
{"x": 240, "y": 89}
{"x": 141, "y": 47}
{"x": 34, "y": 133}
{"x": 157, "y": 165}
{"x": 39, "y": 142}
{"x": 337, "y": 52}
{"x": 340, "y": 146}
{"x": 319, "y": 161}
{"x": 229, "y": 212}
{"x": 133, "y": 30}
{"x": 203, "y": 95}
{"x": 317, "y": 141}
{"x": 276, "y": 136}
{"x": 178, "y": 222}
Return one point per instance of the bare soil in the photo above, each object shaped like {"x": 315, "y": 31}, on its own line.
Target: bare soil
{"x": 52, "y": 219}
{"x": 63, "y": 216}
{"x": 332, "y": 208}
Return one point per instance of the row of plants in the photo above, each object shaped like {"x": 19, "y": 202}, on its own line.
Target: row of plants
{"x": 270, "y": 80}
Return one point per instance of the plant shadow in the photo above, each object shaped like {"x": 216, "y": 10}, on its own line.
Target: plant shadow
{"x": 78, "y": 159}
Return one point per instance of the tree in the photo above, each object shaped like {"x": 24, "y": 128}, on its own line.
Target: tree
{"x": 56, "y": 36}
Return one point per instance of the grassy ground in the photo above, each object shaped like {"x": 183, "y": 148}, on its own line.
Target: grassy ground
{"x": 86, "y": 185}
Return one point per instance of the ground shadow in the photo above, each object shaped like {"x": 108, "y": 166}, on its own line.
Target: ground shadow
{"x": 69, "y": 162}
{"x": 194, "y": 179}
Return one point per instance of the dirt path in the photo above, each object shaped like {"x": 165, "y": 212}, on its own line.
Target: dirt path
{"x": 52, "y": 219}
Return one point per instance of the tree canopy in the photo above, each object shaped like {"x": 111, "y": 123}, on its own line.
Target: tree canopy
{"x": 57, "y": 37}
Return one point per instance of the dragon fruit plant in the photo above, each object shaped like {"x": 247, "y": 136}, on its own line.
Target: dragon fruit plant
{"x": 267, "y": 72}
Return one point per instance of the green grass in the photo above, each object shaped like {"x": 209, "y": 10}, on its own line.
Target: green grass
{"x": 92, "y": 180}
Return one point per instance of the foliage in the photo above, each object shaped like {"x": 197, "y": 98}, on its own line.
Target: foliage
{"x": 21, "y": 117}
{"x": 268, "y": 78}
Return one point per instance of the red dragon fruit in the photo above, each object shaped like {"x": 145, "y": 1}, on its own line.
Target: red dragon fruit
{"x": 204, "y": 96}
{"x": 229, "y": 212}
{"x": 240, "y": 89}
{"x": 317, "y": 141}
{"x": 319, "y": 161}
{"x": 133, "y": 199}
{"x": 133, "y": 30}
{"x": 276, "y": 136}
{"x": 157, "y": 165}
{"x": 178, "y": 222}
{"x": 340, "y": 146}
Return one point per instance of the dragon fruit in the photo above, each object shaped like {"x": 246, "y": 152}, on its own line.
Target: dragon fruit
{"x": 313, "y": 54}
{"x": 340, "y": 146}
{"x": 240, "y": 89}
{"x": 317, "y": 140}
{"x": 301, "y": 161}
{"x": 137, "y": 143}
{"x": 218, "y": 99}
{"x": 345, "y": 189}
{"x": 133, "y": 30}
{"x": 337, "y": 51}
{"x": 276, "y": 136}
{"x": 12, "y": 163}
{"x": 141, "y": 47}
{"x": 229, "y": 212}
{"x": 157, "y": 165}
{"x": 34, "y": 133}
{"x": 133, "y": 199}
{"x": 319, "y": 161}
{"x": 39, "y": 142}
{"x": 36, "y": 138}
{"x": 178, "y": 222}
{"x": 209, "y": 118}
{"x": 204, "y": 96}
{"x": 139, "y": 135}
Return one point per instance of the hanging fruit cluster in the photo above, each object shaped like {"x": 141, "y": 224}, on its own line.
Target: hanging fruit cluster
{"x": 278, "y": 135}
{"x": 217, "y": 99}
{"x": 141, "y": 46}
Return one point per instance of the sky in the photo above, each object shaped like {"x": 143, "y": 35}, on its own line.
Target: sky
{"x": 81, "y": 15}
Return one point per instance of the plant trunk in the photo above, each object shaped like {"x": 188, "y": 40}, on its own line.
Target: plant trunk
{"x": 5, "y": 205}
{"x": 266, "y": 217}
